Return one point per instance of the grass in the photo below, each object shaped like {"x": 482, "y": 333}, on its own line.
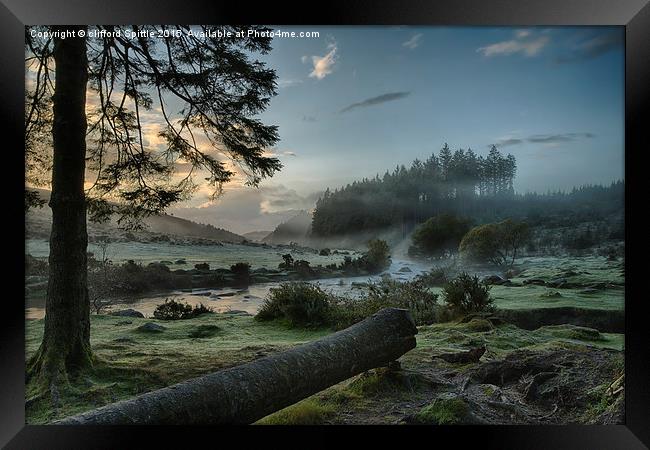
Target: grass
{"x": 443, "y": 411}
{"x": 131, "y": 362}
{"x": 311, "y": 411}
{"x": 453, "y": 336}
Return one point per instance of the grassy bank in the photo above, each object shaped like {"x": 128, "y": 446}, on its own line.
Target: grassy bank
{"x": 131, "y": 361}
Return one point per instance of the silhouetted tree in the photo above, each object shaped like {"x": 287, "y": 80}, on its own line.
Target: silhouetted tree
{"x": 98, "y": 159}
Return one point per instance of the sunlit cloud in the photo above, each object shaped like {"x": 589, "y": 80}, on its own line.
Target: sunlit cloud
{"x": 414, "y": 42}
{"x": 323, "y": 65}
{"x": 523, "y": 43}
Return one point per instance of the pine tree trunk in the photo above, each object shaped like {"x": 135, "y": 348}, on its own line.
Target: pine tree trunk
{"x": 66, "y": 339}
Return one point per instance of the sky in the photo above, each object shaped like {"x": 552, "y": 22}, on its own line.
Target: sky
{"x": 357, "y": 101}
{"x": 354, "y": 102}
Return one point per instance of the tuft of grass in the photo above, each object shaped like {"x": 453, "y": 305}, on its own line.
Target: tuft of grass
{"x": 204, "y": 331}
{"x": 307, "y": 412}
{"x": 479, "y": 325}
{"x": 574, "y": 332}
{"x": 443, "y": 411}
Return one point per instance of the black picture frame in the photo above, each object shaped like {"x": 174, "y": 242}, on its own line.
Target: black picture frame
{"x": 634, "y": 15}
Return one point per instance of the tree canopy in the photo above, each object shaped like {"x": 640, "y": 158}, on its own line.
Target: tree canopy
{"x": 205, "y": 93}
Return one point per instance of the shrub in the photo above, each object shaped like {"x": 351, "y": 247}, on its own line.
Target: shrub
{"x": 299, "y": 303}
{"x": 242, "y": 272}
{"x": 34, "y": 266}
{"x": 466, "y": 294}
{"x": 377, "y": 257}
{"x": 324, "y": 252}
{"x": 435, "y": 277}
{"x": 497, "y": 243}
{"x": 287, "y": 262}
{"x": 303, "y": 268}
{"x": 412, "y": 295}
{"x": 439, "y": 235}
{"x": 202, "y": 266}
{"x": 173, "y": 310}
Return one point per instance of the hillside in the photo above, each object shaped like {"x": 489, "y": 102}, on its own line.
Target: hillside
{"x": 256, "y": 236}
{"x": 295, "y": 229}
{"x": 38, "y": 222}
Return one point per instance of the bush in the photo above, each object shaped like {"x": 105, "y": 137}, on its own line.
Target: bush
{"x": 412, "y": 295}
{"x": 202, "y": 266}
{"x": 303, "y": 268}
{"x": 466, "y": 294}
{"x": 324, "y": 252}
{"x": 287, "y": 262}
{"x": 173, "y": 310}
{"x": 242, "y": 272}
{"x": 299, "y": 303}
{"x": 497, "y": 243}
{"x": 34, "y": 266}
{"x": 435, "y": 277}
{"x": 377, "y": 257}
{"x": 439, "y": 235}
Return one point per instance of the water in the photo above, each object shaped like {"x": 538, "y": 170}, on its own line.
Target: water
{"x": 252, "y": 298}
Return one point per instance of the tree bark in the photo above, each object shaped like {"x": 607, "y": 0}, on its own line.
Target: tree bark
{"x": 246, "y": 393}
{"x": 66, "y": 339}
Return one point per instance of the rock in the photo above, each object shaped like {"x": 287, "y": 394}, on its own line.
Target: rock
{"x": 167, "y": 263}
{"x": 405, "y": 270}
{"x": 237, "y": 312}
{"x": 180, "y": 261}
{"x": 470, "y": 356}
{"x": 535, "y": 281}
{"x": 151, "y": 327}
{"x": 123, "y": 322}
{"x": 127, "y": 313}
{"x": 494, "y": 279}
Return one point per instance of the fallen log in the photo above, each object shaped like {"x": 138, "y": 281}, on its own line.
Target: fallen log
{"x": 246, "y": 393}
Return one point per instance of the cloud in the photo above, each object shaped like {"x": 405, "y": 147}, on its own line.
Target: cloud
{"x": 323, "y": 65}
{"x": 523, "y": 43}
{"x": 285, "y": 83}
{"x": 507, "y": 142}
{"x": 547, "y": 139}
{"x": 242, "y": 210}
{"x": 376, "y": 100}
{"x": 414, "y": 42}
{"x": 558, "y": 138}
{"x": 275, "y": 153}
{"x": 593, "y": 47}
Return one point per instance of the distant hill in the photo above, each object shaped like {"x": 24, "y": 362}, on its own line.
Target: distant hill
{"x": 295, "y": 229}
{"x": 39, "y": 221}
{"x": 256, "y": 236}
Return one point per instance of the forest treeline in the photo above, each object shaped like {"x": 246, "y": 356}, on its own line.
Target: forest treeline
{"x": 459, "y": 182}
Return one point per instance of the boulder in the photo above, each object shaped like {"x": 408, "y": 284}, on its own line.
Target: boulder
{"x": 151, "y": 327}
{"x": 127, "y": 313}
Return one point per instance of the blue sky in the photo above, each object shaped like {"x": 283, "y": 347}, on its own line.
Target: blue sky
{"x": 359, "y": 100}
